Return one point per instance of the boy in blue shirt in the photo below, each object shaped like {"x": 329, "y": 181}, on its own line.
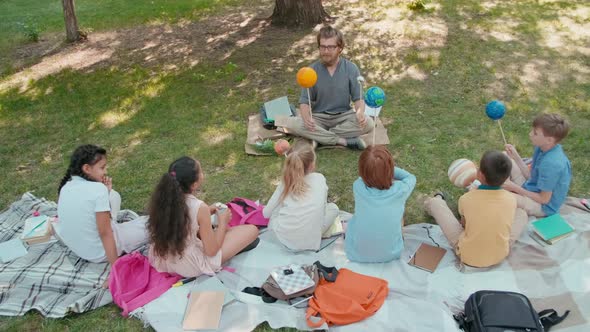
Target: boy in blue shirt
{"x": 542, "y": 190}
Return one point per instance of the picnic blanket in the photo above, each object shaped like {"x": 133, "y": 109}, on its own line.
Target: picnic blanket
{"x": 256, "y": 133}
{"x": 551, "y": 276}
{"x": 50, "y": 278}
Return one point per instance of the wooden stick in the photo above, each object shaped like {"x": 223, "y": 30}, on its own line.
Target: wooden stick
{"x": 374, "y": 127}
{"x": 309, "y": 98}
{"x": 502, "y": 131}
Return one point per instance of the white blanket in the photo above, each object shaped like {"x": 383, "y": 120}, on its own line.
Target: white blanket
{"x": 555, "y": 276}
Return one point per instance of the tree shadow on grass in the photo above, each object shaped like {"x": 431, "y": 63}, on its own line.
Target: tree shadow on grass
{"x": 438, "y": 68}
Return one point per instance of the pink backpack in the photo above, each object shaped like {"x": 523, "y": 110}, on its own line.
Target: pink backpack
{"x": 133, "y": 282}
{"x": 245, "y": 211}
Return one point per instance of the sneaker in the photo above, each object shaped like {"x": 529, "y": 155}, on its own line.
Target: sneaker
{"x": 355, "y": 143}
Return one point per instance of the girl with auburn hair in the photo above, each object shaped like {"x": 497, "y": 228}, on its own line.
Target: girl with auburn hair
{"x": 298, "y": 209}
{"x": 87, "y": 208}
{"x": 182, "y": 239}
{"x": 374, "y": 233}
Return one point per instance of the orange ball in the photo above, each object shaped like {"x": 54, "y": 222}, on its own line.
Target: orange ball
{"x": 307, "y": 77}
{"x": 282, "y": 146}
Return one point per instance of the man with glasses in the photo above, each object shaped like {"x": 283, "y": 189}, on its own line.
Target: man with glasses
{"x": 331, "y": 121}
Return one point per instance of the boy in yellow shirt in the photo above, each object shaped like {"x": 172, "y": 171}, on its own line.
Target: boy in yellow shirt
{"x": 490, "y": 221}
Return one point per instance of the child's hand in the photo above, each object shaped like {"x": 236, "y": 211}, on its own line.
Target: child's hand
{"x": 212, "y": 209}
{"x": 224, "y": 217}
{"x": 511, "y": 151}
{"x": 108, "y": 181}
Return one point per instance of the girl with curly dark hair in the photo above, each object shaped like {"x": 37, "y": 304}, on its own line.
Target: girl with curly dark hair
{"x": 182, "y": 238}
{"x": 87, "y": 208}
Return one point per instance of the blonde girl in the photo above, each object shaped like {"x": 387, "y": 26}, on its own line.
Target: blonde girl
{"x": 298, "y": 209}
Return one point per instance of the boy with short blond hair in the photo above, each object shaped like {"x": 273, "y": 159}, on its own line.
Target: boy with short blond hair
{"x": 542, "y": 190}
{"x": 490, "y": 221}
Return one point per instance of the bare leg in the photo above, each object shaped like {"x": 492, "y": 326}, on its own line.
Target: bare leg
{"x": 236, "y": 239}
{"x": 518, "y": 225}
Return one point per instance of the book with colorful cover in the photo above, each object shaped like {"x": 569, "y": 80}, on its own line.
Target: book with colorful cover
{"x": 552, "y": 229}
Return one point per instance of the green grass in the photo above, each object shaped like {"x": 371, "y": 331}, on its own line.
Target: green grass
{"x": 47, "y": 18}
{"x": 438, "y": 67}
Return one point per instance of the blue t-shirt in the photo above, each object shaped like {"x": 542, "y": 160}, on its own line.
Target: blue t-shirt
{"x": 552, "y": 172}
{"x": 374, "y": 233}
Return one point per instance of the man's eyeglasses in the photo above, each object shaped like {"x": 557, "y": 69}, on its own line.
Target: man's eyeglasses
{"x": 328, "y": 47}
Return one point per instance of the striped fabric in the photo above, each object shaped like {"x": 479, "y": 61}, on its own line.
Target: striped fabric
{"x": 50, "y": 278}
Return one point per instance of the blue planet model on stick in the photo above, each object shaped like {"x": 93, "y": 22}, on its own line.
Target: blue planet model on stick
{"x": 495, "y": 110}
{"x": 375, "y": 97}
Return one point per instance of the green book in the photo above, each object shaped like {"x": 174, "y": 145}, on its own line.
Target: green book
{"x": 552, "y": 228}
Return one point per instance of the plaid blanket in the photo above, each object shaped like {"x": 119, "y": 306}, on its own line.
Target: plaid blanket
{"x": 551, "y": 276}
{"x": 50, "y": 278}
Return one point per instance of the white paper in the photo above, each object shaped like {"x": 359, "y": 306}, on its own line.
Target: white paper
{"x": 11, "y": 250}
{"x": 370, "y": 111}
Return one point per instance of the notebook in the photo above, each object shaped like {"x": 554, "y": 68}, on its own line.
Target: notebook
{"x": 37, "y": 230}
{"x": 214, "y": 284}
{"x": 552, "y": 229}
{"x": 203, "y": 310}
{"x": 291, "y": 278}
{"x": 277, "y": 107}
{"x": 427, "y": 257}
{"x": 11, "y": 250}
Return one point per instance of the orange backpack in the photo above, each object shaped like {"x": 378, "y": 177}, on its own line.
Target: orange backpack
{"x": 351, "y": 298}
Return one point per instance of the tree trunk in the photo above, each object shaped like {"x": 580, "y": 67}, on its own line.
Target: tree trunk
{"x": 299, "y": 13}
{"x": 72, "y": 33}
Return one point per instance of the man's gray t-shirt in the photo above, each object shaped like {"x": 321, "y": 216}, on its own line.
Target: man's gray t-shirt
{"x": 332, "y": 94}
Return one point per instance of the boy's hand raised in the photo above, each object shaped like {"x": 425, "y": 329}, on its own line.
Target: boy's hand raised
{"x": 511, "y": 151}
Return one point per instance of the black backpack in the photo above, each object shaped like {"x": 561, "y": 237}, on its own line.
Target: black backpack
{"x": 497, "y": 311}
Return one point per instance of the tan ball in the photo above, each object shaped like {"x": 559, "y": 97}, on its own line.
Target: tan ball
{"x": 462, "y": 172}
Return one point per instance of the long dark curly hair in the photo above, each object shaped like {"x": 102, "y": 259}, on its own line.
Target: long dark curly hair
{"x": 169, "y": 224}
{"x": 84, "y": 154}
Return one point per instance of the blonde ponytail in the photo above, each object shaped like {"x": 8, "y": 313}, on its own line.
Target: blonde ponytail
{"x": 297, "y": 164}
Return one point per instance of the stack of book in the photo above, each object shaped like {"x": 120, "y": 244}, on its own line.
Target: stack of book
{"x": 37, "y": 230}
{"x": 551, "y": 229}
